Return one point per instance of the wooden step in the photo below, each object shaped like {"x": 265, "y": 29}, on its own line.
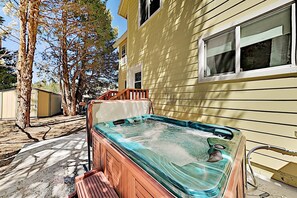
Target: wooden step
{"x": 94, "y": 184}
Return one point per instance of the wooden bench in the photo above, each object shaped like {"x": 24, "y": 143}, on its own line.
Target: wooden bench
{"x": 93, "y": 184}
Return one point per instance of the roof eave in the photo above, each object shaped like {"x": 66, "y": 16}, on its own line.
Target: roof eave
{"x": 123, "y": 8}
{"x": 120, "y": 40}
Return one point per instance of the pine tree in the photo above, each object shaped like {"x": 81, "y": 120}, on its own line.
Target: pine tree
{"x": 7, "y": 66}
{"x": 78, "y": 34}
{"x": 7, "y": 78}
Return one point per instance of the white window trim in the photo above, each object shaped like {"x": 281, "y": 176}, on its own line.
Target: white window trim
{"x": 131, "y": 75}
{"x": 278, "y": 70}
{"x": 139, "y": 13}
{"x": 122, "y": 50}
{"x": 139, "y": 80}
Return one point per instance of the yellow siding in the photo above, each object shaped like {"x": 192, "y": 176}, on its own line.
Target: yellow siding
{"x": 265, "y": 109}
{"x": 122, "y": 78}
{"x": 122, "y": 68}
{"x": 1, "y": 99}
{"x": 55, "y": 104}
{"x": 9, "y": 105}
{"x": 43, "y": 104}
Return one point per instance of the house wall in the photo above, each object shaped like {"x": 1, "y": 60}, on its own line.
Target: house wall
{"x": 264, "y": 108}
{"x": 122, "y": 77}
{"x": 122, "y": 68}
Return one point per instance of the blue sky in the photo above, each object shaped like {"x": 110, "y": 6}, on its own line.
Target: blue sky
{"x": 117, "y": 22}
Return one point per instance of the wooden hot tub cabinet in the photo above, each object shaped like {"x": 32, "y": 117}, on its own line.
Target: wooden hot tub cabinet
{"x": 129, "y": 180}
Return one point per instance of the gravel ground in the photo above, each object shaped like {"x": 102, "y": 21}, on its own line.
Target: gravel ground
{"x": 46, "y": 169}
{"x": 12, "y": 139}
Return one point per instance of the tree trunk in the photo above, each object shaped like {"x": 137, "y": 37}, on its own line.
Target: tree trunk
{"x": 73, "y": 91}
{"x": 32, "y": 35}
{"x": 73, "y": 98}
{"x": 81, "y": 85}
{"x": 21, "y": 98}
{"x": 28, "y": 14}
{"x": 64, "y": 103}
{"x": 65, "y": 77}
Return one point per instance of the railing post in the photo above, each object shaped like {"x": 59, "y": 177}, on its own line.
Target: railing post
{"x": 127, "y": 94}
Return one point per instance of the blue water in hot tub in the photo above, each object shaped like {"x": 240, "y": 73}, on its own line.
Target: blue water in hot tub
{"x": 175, "y": 152}
{"x": 177, "y": 144}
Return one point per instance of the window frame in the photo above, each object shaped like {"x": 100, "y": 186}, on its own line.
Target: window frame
{"x": 130, "y": 76}
{"x": 123, "y": 47}
{"x": 149, "y": 15}
{"x": 263, "y": 72}
{"x": 139, "y": 81}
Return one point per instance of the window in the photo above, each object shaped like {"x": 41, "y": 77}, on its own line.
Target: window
{"x": 123, "y": 51}
{"x": 220, "y": 54}
{"x": 266, "y": 42}
{"x": 262, "y": 43}
{"x": 137, "y": 83}
{"x": 148, "y": 8}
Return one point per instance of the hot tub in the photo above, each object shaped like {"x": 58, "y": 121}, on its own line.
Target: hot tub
{"x": 154, "y": 156}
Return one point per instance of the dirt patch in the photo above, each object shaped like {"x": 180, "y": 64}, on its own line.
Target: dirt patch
{"x": 12, "y": 139}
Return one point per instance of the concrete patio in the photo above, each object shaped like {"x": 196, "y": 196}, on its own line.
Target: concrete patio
{"x": 271, "y": 188}
{"x": 46, "y": 169}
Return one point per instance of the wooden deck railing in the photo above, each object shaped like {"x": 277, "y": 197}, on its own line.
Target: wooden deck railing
{"x": 131, "y": 94}
{"x": 125, "y": 94}
{"x": 107, "y": 95}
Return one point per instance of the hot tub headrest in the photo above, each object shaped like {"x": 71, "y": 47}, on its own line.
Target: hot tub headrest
{"x": 108, "y": 110}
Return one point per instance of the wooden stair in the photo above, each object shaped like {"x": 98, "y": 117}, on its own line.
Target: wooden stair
{"x": 107, "y": 95}
{"x": 93, "y": 184}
